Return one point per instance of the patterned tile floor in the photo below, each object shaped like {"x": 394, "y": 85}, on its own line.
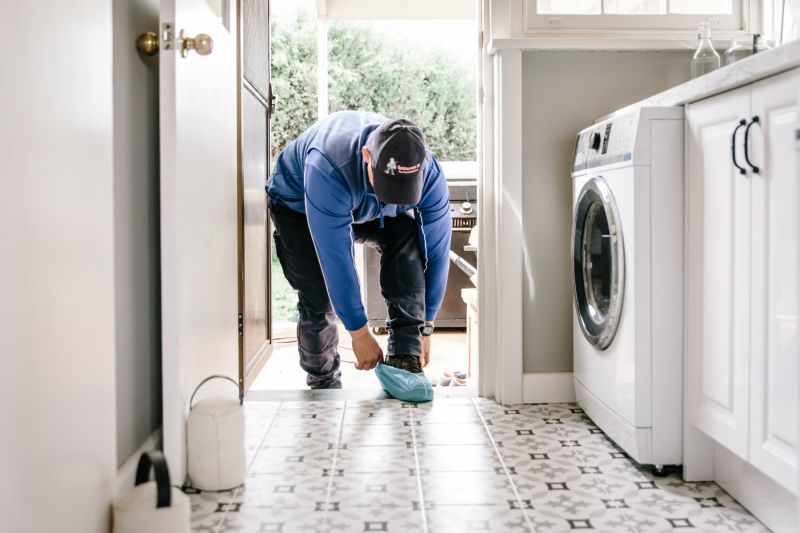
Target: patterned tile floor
{"x": 457, "y": 464}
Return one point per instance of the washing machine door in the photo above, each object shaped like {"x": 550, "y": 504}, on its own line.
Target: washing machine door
{"x": 598, "y": 259}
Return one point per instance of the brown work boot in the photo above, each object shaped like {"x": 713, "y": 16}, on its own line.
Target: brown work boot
{"x": 405, "y": 362}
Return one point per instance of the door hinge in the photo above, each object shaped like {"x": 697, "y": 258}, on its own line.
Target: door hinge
{"x": 271, "y": 99}
{"x": 241, "y": 325}
{"x": 480, "y": 40}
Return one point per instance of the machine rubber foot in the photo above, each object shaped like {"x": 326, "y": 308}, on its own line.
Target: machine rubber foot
{"x": 659, "y": 471}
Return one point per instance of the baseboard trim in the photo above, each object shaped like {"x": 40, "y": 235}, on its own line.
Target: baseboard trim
{"x": 767, "y": 500}
{"x": 548, "y": 387}
{"x": 126, "y": 473}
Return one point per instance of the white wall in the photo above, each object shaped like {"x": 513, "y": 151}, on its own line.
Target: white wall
{"x": 57, "y": 330}
{"x": 563, "y": 92}
{"x": 136, "y": 228}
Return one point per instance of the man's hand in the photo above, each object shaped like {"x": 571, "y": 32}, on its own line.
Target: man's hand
{"x": 368, "y": 351}
{"x": 425, "y": 358}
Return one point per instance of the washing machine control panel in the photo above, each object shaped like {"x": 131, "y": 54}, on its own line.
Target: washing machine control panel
{"x": 581, "y": 150}
{"x": 612, "y": 140}
{"x": 606, "y": 142}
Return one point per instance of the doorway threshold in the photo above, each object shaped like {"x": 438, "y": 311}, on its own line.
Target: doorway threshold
{"x": 349, "y": 394}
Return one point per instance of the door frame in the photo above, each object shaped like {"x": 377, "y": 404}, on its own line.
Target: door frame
{"x": 500, "y": 260}
{"x": 500, "y": 236}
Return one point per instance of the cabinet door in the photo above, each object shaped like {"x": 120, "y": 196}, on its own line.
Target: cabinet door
{"x": 718, "y": 286}
{"x": 775, "y": 269}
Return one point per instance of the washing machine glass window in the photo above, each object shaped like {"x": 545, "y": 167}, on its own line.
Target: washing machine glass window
{"x": 598, "y": 263}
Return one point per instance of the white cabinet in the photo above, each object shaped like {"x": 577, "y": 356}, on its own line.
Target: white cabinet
{"x": 718, "y": 289}
{"x": 742, "y": 248}
{"x": 775, "y": 269}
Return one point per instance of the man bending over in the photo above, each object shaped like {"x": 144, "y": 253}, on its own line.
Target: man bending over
{"x": 357, "y": 177}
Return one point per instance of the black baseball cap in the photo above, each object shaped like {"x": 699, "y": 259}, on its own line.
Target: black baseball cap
{"x": 397, "y": 151}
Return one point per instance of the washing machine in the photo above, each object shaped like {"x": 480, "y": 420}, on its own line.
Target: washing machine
{"x": 627, "y": 272}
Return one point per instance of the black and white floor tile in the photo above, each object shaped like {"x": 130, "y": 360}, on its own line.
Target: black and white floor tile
{"x": 456, "y": 464}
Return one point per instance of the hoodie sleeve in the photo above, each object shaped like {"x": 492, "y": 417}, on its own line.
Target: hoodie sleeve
{"x": 329, "y": 210}
{"x": 435, "y": 226}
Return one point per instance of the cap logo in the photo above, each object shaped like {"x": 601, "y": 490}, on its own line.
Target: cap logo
{"x": 391, "y": 167}
{"x": 408, "y": 170}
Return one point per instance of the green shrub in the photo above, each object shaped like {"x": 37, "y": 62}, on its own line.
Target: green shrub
{"x": 370, "y": 73}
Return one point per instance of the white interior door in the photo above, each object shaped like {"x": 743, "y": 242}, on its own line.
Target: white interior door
{"x": 198, "y": 211}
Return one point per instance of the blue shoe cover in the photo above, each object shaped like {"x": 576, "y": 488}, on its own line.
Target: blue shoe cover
{"x": 404, "y": 385}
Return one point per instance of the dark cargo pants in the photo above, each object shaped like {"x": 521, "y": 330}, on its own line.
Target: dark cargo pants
{"x": 402, "y": 281}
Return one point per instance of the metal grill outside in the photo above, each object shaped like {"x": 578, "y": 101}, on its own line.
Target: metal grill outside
{"x": 459, "y": 222}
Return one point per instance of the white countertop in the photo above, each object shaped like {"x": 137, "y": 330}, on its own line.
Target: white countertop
{"x": 730, "y": 77}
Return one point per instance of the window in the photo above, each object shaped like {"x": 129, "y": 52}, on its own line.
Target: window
{"x": 567, "y": 7}
{"x": 635, "y": 7}
{"x": 675, "y": 15}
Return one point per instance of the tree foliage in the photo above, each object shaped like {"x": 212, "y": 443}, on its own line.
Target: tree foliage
{"x": 294, "y": 78}
{"x": 370, "y": 73}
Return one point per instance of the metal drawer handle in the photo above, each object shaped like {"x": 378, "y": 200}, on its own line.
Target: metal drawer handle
{"x": 755, "y": 120}
{"x": 742, "y": 123}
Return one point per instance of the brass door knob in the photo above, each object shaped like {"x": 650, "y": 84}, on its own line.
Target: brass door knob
{"x": 147, "y": 43}
{"x": 202, "y": 43}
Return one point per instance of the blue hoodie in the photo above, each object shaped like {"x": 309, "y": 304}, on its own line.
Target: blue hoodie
{"x": 322, "y": 174}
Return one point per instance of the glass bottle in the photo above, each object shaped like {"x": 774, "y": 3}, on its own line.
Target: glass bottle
{"x": 744, "y": 46}
{"x": 705, "y": 59}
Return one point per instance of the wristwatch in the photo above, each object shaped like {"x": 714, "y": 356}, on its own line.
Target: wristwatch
{"x": 427, "y": 329}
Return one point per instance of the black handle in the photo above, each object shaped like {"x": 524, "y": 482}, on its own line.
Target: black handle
{"x": 755, "y": 120}
{"x": 742, "y": 123}
{"x": 155, "y": 460}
